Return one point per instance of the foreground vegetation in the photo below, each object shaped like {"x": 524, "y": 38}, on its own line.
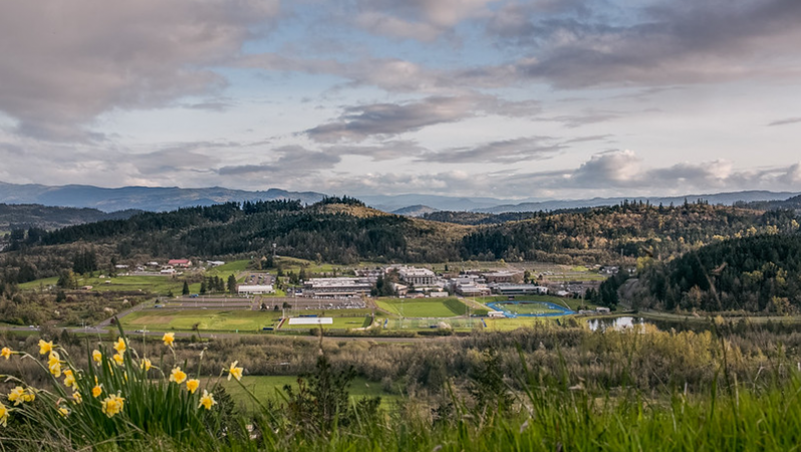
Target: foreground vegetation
{"x": 726, "y": 389}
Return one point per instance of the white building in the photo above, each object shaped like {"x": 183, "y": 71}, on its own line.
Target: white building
{"x": 336, "y": 287}
{"x": 419, "y": 277}
{"x": 243, "y": 289}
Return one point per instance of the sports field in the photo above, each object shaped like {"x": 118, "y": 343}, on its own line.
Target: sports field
{"x": 207, "y": 320}
{"x": 528, "y": 308}
{"x": 423, "y": 307}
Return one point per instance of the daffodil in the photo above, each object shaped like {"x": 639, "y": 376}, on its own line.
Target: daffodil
{"x": 234, "y": 371}
{"x": 120, "y": 346}
{"x": 118, "y": 359}
{"x": 97, "y": 356}
{"x": 3, "y": 415}
{"x": 63, "y": 412}
{"x": 177, "y": 375}
{"x": 192, "y": 385}
{"x": 77, "y": 397}
{"x": 45, "y": 347}
{"x": 6, "y": 352}
{"x": 97, "y": 390}
{"x": 112, "y": 405}
{"x": 206, "y": 400}
{"x": 29, "y": 395}
{"x": 145, "y": 364}
{"x": 54, "y": 364}
{"x": 168, "y": 339}
{"x": 16, "y": 395}
{"x": 69, "y": 379}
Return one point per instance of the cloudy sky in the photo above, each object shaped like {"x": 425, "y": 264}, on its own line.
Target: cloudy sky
{"x": 517, "y": 99}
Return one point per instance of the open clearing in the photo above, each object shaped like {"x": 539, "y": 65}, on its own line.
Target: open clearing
{"x": 423, "y": 307}
{"x": 268, "y": 387}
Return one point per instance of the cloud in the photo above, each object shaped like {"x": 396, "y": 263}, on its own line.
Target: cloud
{"x": 293, "y": 161}
{"x": 387, "y": 150}
{"x": 63, "y": 64}
{"x": 358, "y": 123}
{"x": 421, "y": 20}
{"x": 784, "y": 122}
{"x": 668, "y": 42}
{"x": 389, "y": 119}
{"x": 505, "y": 151}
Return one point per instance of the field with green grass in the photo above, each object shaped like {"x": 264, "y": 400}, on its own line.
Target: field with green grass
{"x": 207, "y": 320}
{"x": 340, "y": 323}
{"x": 159, "y": 285}
{"x": 423, "y": 307}
{"x": 272, "y": 387}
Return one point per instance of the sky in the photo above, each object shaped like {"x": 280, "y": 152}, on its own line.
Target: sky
{"x": 540, "y": 99}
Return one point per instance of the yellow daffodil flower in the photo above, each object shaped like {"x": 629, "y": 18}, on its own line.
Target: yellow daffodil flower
{"x": 97, "y": 356}
{"x": 206, "y": 401}
{"x": 118, "y": 359}
{"x": 77, "y": 397}
{"x": 63, "y": 412}
{"x": 45, "y": 347}
{"x": 192, "y": 385}
{"x": 3, "y": 415}
{"x": 145, "y": 364}
{"x": 29, "y": 395}
{"x": 69, "y": 379}
{"x": 234, "y": 371}
{"x": 96, "y": 391}
{"x": 177, "y": 375}
{"x": 112, "y": 405}
{"x": 16, "y": 395}
{"x": 168, "y": 339}
{"x": 120, "y": 346}
{"x": 6, "y": 352}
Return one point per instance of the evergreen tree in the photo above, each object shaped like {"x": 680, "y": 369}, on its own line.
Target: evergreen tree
{"x": 232, "y": 284}
{"x": 185, "y": 290}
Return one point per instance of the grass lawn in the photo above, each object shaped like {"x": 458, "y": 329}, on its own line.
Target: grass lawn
{"x": 160, "y": 285}
{"x": 226, "y": 269}
{"x": 208, "y": 320}
{"x": 513, "y": 324}
{"x": 340, "y": 323}
{"x": 423, "y": 307}
{"x": 268, "y": 387}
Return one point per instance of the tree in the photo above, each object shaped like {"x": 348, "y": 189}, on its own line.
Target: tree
{"x": 232, "y": 284}
{"x": 185, "y": 290}
{"x": 203, "y": 287}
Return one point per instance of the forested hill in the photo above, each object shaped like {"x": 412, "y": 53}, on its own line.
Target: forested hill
{"x": 345, "y": 231}
{"x": 793, "y": 203}
{"x": 26, "y": 216}
{"x": 628, "y": 230}
{"x": 333, "y": 230}
{"x": 755, "y": 274}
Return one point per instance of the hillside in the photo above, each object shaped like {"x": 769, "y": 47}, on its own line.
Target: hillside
{"x": 157, "y": 199}
{"x": 793, "y": 203}
{"x": 754, "y": 274}
{"x": 25, "y": 216}
{"x": 629, "y": 230}
{"x": 415, "y": 211}
{"x": 344, "y": 230}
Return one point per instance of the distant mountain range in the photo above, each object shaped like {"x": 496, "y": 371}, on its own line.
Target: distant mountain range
{"x": 24, "y": 216}
{"x": 141, "y": 198}
{"x": 726, "y": 199}
{"x": 171, "y": 198}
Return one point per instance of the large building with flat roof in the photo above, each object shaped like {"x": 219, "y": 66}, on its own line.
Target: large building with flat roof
{"x": 419, "y": 277}
{"x": 336, "y": 287}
